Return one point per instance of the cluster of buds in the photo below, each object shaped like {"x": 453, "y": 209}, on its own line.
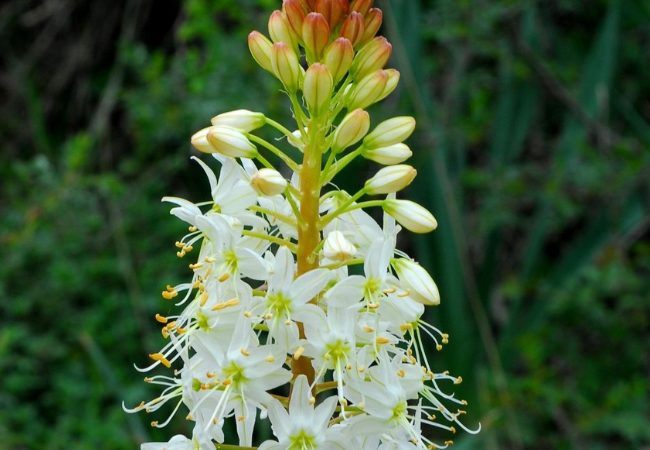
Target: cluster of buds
{"x": 300, "y": 309}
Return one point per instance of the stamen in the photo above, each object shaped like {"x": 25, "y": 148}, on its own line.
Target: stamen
{"x": 169, "y": 295}
{"x": 404, "y": 294}
{"x": 245, "y": 352}
{"x": 298, "y": 353}
{"x": 270, "y": 359}
{"x": 161, "y": 319}
{"x": 161, "y": 358}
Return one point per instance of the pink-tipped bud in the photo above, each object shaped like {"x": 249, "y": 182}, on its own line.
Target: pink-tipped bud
{"x": 280, "y": 30}
{"x": 390, "y": 132}
{"x": 390, "y": 179}
{"x": 373, "y": 22}
{"x": 361, "y": 6}
{"x": 332, "y": 10}
{"x": 373, "y": 56}
{"x": 388, "y": 156}
{"x": 286, "y": 66}
{"x": 353, "y": 28}
{"x": 295, "y": 15}
{"x": 410, "y": 215}
{"x": 368, "y": 91}
{"x": 315, "y": 34}
{"x": 241, "y": 119}
{"x": 352, "y": 129}
{"x": 260, "y": 48}
{"x": 268, "y": 182}
{"x": 229, "y": 142}
{"x": 338, "y": 58}
{"x": 317, "y": 89}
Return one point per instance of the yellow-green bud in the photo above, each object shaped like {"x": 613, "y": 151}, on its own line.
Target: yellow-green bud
{"x": 240, "y": 119}
{"x": 268, "y": 182}
{"x": 390, "y": 132}
{"x": 260, "y": 48}
{"x": 352, "y": 129}
{"x": 373, "y": 56}
{"x": 230, "y": 142}
{"x": 368, "y": 91}
{"x": 410, "y": 215}
{"x": 286, "y": 66}
{"x": 391, "y": 83}
{"x": 280, "y": 30}
{"x": 417, "y": 280}
{"x": 317, "y": 88}
{"x": 338, "y": 58}
{"x": 390, "y": 179}
{"x": 388, "y": 156}
{"x": 200, "y": 140}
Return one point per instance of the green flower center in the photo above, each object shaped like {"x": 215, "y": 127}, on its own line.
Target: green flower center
{"x": 236, "y": 374}
{"x": 279, "y": 304}
{"x": 302, "y": 441}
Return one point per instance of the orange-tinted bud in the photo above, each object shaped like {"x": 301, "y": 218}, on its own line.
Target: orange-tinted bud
{"x": 317, "y": 88}
{"x": 260, "y": 48}
{"x": 305, "y": 6}
{"x": 353, "y": 28}
{"x": 311, "y": 4}
{"x": 295, "y": 15}
{"x": 373, "y": 22}
{"x": 280, "y": 30}
{"x": 286, "y": 66}
{"x": 361, "y": 6}
{"x": 315, "y": 34}
{"x": 368, "y": 91}
{"x": 332, "y": 10}
{"x": 338, "y": 58}
{"x": 373, "y": 56}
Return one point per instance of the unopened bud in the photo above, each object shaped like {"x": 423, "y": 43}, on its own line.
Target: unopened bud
{"x": 352, "y": 129}
{"x": 332, "y": 10}
{"x": 317, "y": 88}
{"x": 240, "y": 119}
{"x": 373, "y": 56}
{"x": 418, "y": 281}
{"x": 281, "y": 31}
{"x": 286, "y": 66}
{"x": 260, "y": 48}
{"x": 268, "y": 182}
{"x": 338, "y": 248}
{"x": 410, "y": 215}
{"x": 361, "y": 6}
{"x": 368, "y": 91}
{"x": 309, "y": 5}
{"x": 353, "y": 28}
{"x": 372, "y": 22}
{"x": 230, "y": 142}
{"x": 315, "y": 34}
{"x": 338, "y": 58}
{"x": 390, "y": 132}
{"x": 295, "y": 15}
{"x": 200, "y": 140}
{"x": 390, "y": 179}
{"x": 391, "y": 84}
{"x": 388, "y": 156}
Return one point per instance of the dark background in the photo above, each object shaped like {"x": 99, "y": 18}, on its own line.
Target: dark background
{"x": 532, "y": 150}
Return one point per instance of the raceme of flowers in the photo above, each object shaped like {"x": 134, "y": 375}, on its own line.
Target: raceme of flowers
{"x": 271, "y": 301}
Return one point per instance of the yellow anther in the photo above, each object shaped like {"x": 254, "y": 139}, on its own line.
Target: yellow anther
{"x": 164, "y": 332}
{"x": 180, "y": 254}
{"x": 441, "y": 408}
{"x": 382, "y": 340}
{"x": 189, "y": 417}
{"x": 248, "y": 314}
{"x": 406, "y": 326}
{"x": 431, "y": 446}
{"x": 373, "y": 306}
{"x": 361, "y": 369}
{"x": 210, "y": 259}
{"x": 192, "y": 228}
{"x": 169, "y": 295}
{"x": 431, "y": 418}
{"x": 343, "y": 402}
{"x": 188, "y": 248}
{"x": 460, "y": 412}
{"x": 438, "y": 347}
{"x": 390, "y": 291}
{"x": 401, "y": 373}
{"x": 269, "y": 359}
{"x": 348, "y": 367}
{"x": 241, "y": 418}
{"x": 171, "y": 325}
{"x": 224, "y": 276}
{"x": 161, "y": 319}
{"x": 215, "y": 421}
{"x": 449, "y": 442}
{"x": 368, "y": 329}
{"x": 312, "y": 400}
{"x": 226, "y": 304}
{"x": 445, "y": 336}
{"x": 406, "y": 293}
{"x": 268, "y": 316}
{"x": 226, "y": 382}
{"x": 204, "y": 299}
{"x": 196, "y": 284}
{"x": 210, "y": 374}
{"x": 298, "y": 353}
{"x": 170, "y": 288}
{"x": 245, "y": 352}
{"x": 458, "y": 380}
{"x": 141, "y": 405}
{"x": 154, "y": 423}
{"x": 446, "y": 372}
{"x": 463, "y": 402}
{"x": 413, "y": 441}
{"x": 147, "y": 380}
{"x": 196, "y": 266}
{"x": 445, "y": 341}
{"x": 161, "y": 358}
{"x": 327, "y": 356}
{"x": 179, "y": 244}
{"x": 287, "y": 322}
{"x": 181, "y": 330}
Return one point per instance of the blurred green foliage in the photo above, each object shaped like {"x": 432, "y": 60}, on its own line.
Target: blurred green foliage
{"x": 533, "y": 152}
